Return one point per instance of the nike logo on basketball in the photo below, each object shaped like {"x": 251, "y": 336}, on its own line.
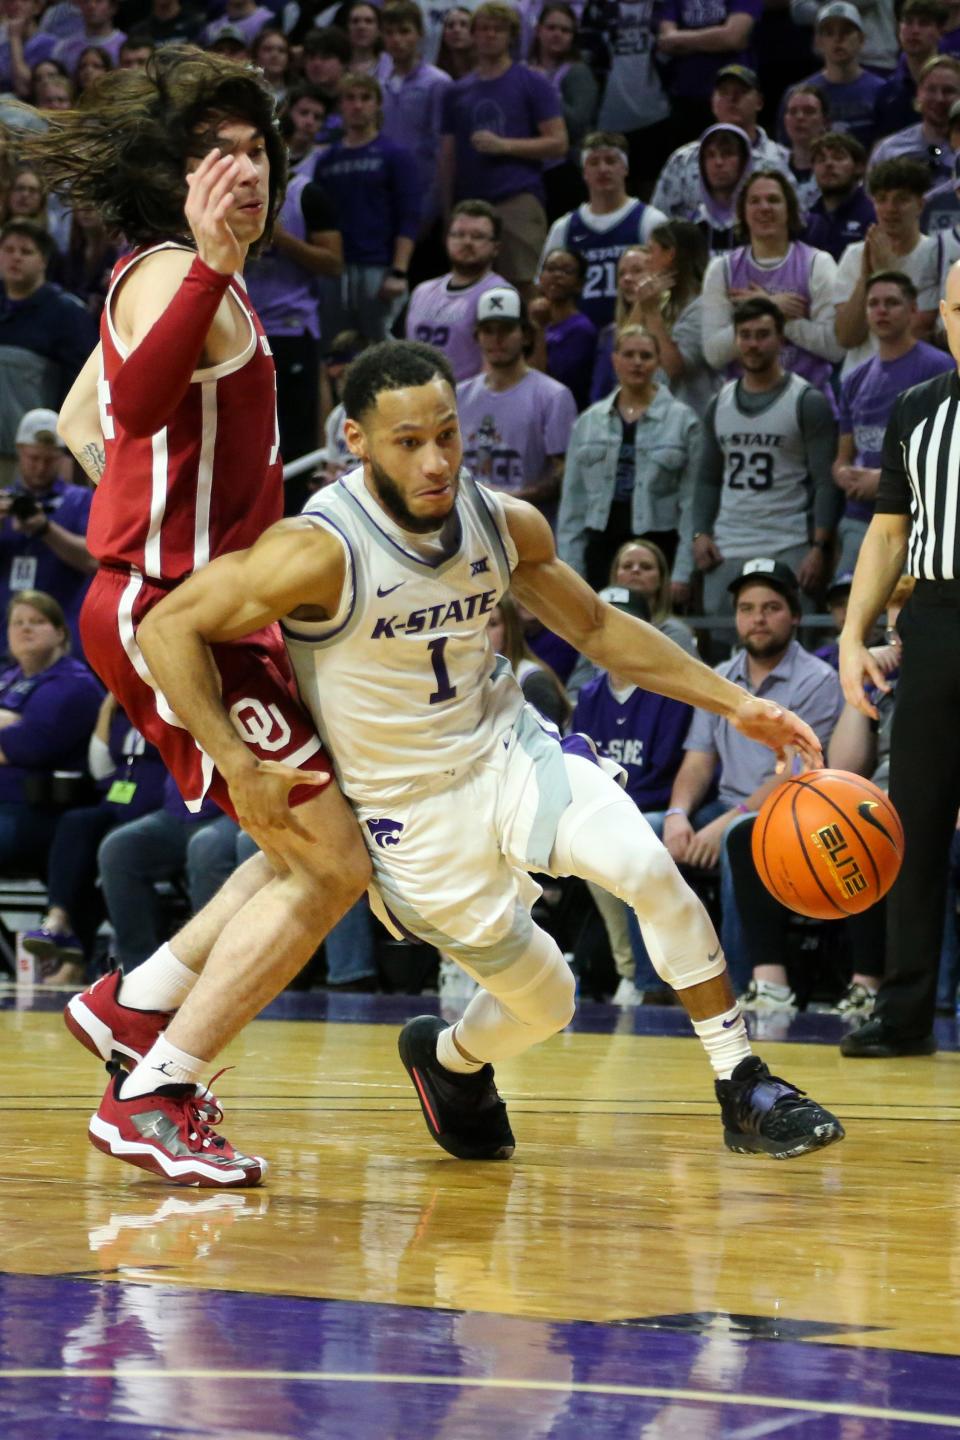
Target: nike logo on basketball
{"x": 865, "y": 810}
{"x": 389, "y": 589}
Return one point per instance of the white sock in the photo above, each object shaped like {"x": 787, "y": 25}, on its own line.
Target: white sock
{"x": 450, "y": 1057}
{"x": 163, "y": 1064}
{"x": 724, "y": 1037}
{"x": 162, "y": 982}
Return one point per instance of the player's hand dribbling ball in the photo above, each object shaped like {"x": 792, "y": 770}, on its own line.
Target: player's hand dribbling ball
{"x": 827, "y": 844}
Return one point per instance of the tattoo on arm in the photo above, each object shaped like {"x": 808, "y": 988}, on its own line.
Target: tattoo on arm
{"x": 93, "y": 460}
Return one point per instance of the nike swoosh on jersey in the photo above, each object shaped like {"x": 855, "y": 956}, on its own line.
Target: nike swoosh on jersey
{"x": 389, "y": 589}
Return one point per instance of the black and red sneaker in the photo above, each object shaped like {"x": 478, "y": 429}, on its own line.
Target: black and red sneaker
{"x": 763, "y": 1114}
{"x": 170, "y": 1132}
{"x": 109, "y": 1029}
{"x": 464, "y": 1113}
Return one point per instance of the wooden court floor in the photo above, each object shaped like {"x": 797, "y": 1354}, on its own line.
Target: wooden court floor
{"x": 623, "y": 1275}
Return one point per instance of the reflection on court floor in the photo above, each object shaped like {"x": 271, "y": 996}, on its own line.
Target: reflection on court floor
{"x": 623, "y": 1276}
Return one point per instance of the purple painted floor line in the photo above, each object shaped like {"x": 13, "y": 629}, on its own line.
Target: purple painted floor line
{"x": 55, "y": 1324}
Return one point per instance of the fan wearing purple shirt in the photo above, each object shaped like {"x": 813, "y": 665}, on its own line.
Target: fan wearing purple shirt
{"x": 844, "y": 211}
{"x": 515, "y": 421}
{"x": 281, "y": 282}
{"x": 48, "y": 708}
{"x": 851, "y": 91}
{"x": 565, "y": 340}
{"x": 867, "y": 396}
{"x": 443, "y": 312}
{"x": 244, "y": 15}
{"x": 500, "y": 123}
{"x": 642, "y": 731}
{"x": 43, "y": 522}
{"x": 374, "y": 186}
{"x": 413, "y": 98}
{"x": 698, "y": 38}
{"x": 98, "y": 29}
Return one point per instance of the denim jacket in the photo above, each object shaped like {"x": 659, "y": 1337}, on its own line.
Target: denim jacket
{"x": 667, "y": 458}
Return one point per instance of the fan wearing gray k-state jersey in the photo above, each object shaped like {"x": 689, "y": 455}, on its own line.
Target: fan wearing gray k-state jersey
{"x": 460, "y": 789}
{"x": 765, "y": 484}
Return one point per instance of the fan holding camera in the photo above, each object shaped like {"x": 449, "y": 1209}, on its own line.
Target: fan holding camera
{"x": 43, "y": 523}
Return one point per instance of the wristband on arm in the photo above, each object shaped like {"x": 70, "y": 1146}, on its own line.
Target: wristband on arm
{"x": 154, "y": 377}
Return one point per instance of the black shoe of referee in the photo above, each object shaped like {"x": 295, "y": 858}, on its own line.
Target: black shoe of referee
{"x": 464, "y": 1113}
{"x": 763, "y": 1114}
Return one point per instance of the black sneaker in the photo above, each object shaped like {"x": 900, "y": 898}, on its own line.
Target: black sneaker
{"x": 464, "y": 1113}
{"x": 763, "y": 1114}
{"x": 875, "y": 1040}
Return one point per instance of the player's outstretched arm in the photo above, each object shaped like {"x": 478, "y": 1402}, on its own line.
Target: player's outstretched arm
{"x": 879, "y": 566}
{"x": 79, "y": 421}
{"x": 616, "y": 641}
{"x": 293, "y": 567}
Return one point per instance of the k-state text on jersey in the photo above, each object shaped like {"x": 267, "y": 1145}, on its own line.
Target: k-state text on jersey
{"x": 433, "y": 616}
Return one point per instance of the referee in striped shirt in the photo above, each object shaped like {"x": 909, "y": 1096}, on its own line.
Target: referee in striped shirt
{"x": 916, "y": 528}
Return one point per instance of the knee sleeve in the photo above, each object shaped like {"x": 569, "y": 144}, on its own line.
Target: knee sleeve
{"x": 615, "y": 848}
{"x": 527, "y": 1002}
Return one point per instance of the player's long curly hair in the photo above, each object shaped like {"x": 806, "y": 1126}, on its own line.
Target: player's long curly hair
{"x": 123, "y": 150}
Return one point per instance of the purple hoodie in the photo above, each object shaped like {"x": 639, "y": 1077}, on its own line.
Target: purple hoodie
{"x": 716, "y": 219}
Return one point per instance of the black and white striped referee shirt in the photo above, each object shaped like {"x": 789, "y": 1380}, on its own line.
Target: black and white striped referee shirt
{"x": 921, "y": 475}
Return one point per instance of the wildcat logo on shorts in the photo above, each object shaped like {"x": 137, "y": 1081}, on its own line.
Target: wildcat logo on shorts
{"x": 260, "y": 724}
{"x": 385, "y": 832}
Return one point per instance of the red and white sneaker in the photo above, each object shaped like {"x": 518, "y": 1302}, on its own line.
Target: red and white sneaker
{"x": 109, "y": 1029}
{"x": 169, "y": 1133}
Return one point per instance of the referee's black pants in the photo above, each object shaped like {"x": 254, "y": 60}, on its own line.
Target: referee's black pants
{"x": 925, "y": 788}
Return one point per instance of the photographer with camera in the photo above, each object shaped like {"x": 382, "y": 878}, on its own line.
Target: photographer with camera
{"x": 43, "y": 522}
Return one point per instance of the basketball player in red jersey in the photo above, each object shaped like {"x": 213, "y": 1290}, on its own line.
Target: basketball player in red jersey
{"x": 175, "y": 416}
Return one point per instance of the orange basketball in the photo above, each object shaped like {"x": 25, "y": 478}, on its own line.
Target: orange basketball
{"x": 827, "y": 844}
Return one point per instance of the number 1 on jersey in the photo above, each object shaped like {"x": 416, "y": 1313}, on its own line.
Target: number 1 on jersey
{"x": 444, "y": 690}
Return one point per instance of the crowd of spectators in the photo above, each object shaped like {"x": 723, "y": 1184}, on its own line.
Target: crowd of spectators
{"x": 682, "y": 258}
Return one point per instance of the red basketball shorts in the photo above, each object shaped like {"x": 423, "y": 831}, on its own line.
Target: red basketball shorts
{"x": 257, "y": 688}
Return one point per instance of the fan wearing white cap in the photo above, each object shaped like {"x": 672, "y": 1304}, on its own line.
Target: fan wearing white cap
{"x": 850, "y": 91}
{"x": 515, "y": 421}
{"x": 879, "y": 26}
{"x": 43, "y": 521}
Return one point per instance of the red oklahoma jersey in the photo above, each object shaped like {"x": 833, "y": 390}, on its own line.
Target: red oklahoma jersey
{"x": 211, "y": 480}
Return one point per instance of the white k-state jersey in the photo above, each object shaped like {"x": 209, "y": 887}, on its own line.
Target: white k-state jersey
{"x": 402, "y": 682}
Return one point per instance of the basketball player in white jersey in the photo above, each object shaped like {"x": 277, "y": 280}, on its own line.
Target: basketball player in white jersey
{"x": 384, "y": 590}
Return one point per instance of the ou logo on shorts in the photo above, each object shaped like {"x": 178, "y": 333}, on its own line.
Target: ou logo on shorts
{"x": 260, "y": 724}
